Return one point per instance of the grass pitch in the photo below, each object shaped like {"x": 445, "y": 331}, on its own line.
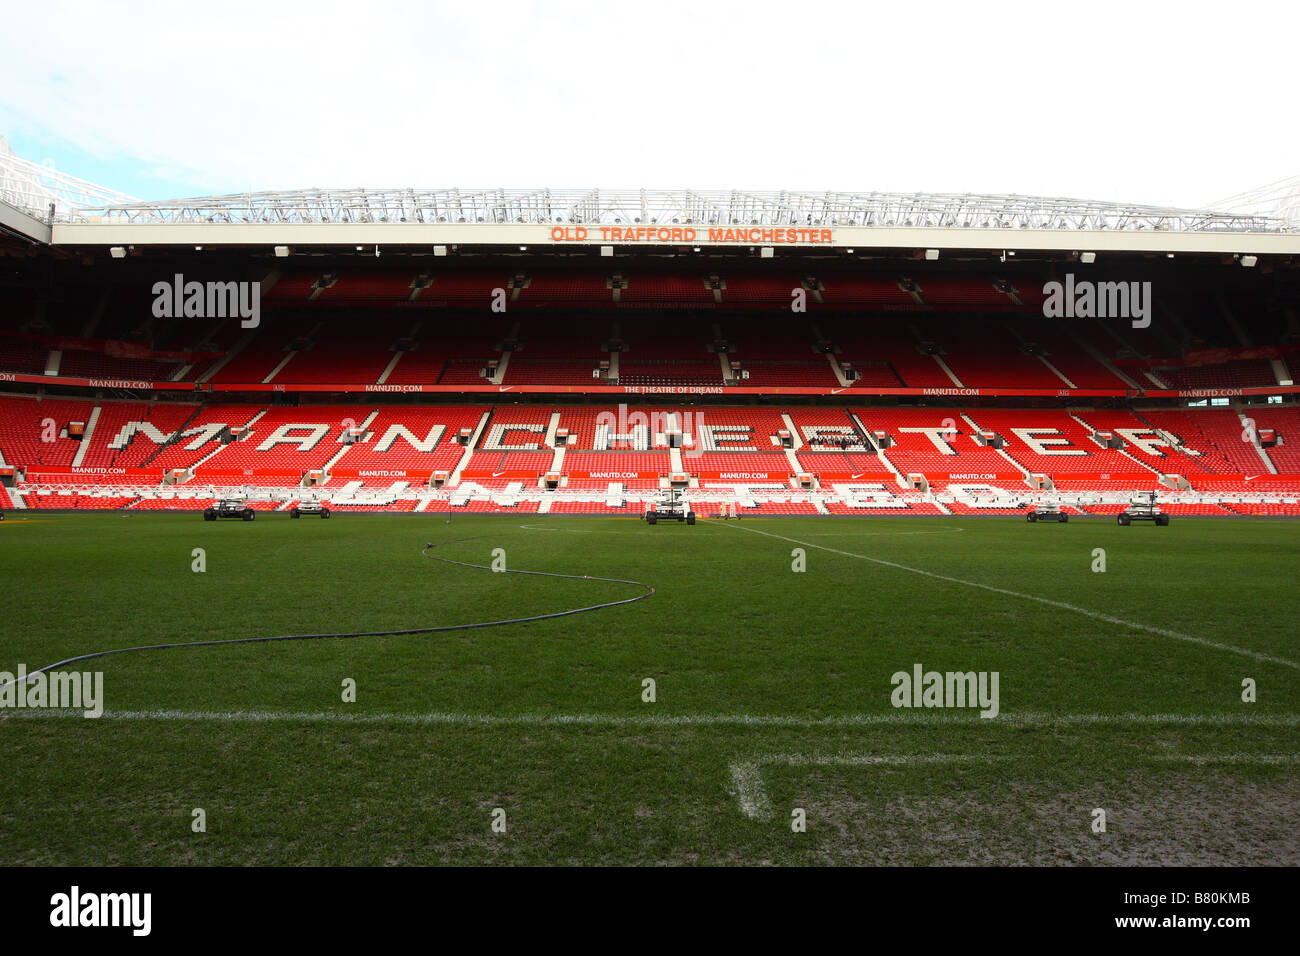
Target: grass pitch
{"x": 1119, "y": 691}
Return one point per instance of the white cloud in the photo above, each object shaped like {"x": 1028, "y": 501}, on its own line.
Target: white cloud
{"x": 1165, "y": 103}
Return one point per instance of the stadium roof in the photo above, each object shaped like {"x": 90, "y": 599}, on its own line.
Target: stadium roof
{"x": 659, "y": 207}
{"x": 65, "y": 210}
{"x": 46, "y": 194}
{"x": 1279, "y": 200}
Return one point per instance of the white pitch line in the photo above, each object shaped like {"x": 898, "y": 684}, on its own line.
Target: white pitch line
{"x": 533, "y": 527}
{"x": 747, "y": 780}
{"x": 747, "y": 775}
{"x": 880, "y": 534}
{"x": 751, "y": 794}
{"x": 775, "y": 721}
{"x": 1095, "y": 615}
{"x": 1229, "y": 758}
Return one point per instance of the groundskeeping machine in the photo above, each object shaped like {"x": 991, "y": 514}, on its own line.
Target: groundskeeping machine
{"x": 229, "y": 508}
{"x": 1143, "y": 507}
{"x": 671, "y": 506}
{"x": 1047, "y": 511}
{"x": 310, "y": 507}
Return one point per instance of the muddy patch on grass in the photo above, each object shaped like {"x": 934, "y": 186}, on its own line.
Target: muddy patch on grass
{"x": 1206, "y": 817}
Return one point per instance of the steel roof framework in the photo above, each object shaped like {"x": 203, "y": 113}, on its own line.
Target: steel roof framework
{"x": 659, "y": 207}
{"x": 47, "y": 194}
{"x": 1280, "y": 200}
{"x": 54, "y": 197}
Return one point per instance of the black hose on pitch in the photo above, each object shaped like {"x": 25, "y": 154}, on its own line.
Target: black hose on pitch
{"x": 399, "y": 633}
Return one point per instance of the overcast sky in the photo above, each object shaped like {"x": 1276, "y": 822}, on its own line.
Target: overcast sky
{"x": 1170, "y": 103}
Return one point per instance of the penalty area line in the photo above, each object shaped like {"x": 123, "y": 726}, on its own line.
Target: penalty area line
{"x": 751, "y": 793}
{"x": 1073, "y": 608}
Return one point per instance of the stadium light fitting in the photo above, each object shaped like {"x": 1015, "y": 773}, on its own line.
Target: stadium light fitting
{"x": 1249, "y": 261}
{"x": 1087, "y": 258}
{"x": 117, "y": 252}
{"x": 766, "y": 252}
{"x": 606, "y": 250}
{"x": 439, "y": 250}
{"x": 282, "y": 252}
{"x": 931, "y": 254}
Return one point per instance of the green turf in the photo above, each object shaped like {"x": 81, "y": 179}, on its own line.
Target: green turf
{"x": 447, "y": 727}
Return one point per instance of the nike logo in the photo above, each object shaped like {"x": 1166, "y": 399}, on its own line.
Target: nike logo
{"x": 497, "y": 474}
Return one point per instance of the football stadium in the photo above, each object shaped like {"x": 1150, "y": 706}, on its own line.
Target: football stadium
{"x": 647, "y": 527}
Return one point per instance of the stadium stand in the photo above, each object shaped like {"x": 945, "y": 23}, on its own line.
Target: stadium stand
{"x": 949, "y": 448}
{"x": 1247, "y": 373}
{"x": 133, "y": 449}
{"x": 895, "y": 343}
{"x": 779, "y": 411}
{"x": 1058, "y": 346}
{"x": 986, "y": 353}
{"x": 26, "y": 424}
